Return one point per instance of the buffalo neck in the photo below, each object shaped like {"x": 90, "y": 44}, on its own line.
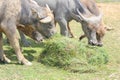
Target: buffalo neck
{"x": 26, "y": 14}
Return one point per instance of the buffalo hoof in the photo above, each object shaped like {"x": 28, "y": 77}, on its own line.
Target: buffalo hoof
{"x": 5, "y": 60}
{"x": 26, "y": 62}
{"x": 100, "y": 44}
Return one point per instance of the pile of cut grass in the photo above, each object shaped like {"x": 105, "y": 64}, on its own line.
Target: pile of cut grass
{"x": 72, "y": 55}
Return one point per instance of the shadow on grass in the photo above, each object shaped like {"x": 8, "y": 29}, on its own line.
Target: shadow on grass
{"x": 29, "y": 53}
{"x": 83, "y": 71}
{"x": 32, "y": 43}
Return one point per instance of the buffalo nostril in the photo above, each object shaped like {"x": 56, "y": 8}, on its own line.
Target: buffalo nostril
{"x": 52, "y": 33}
{"x": 41, "y": 40}
{"x": 92, "y": 43}
{"x": 100, "y": 44}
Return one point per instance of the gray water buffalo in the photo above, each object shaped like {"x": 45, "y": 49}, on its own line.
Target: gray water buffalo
{"x": 93, "y": 8}
{"x": 19, "y": 13}
{"x": 67, "y": 10}
{"x": 47, "y": 29}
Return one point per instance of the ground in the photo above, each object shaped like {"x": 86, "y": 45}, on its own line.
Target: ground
{"x": 38, "y": 71}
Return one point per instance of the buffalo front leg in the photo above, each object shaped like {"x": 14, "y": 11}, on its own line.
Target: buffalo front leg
{"x": 11, "y": 33}
{"x": 63, "y": 27}
{"x": 23, "y": 39}
{"x": 3, "y": 57}
{"x": 82, "y": 36}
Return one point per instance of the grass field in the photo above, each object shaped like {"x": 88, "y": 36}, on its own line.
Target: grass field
{"x": 38, "y": 71}
{"x": 107, "y": 0}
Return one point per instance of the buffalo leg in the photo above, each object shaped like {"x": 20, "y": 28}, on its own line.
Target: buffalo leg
{"x": 82, "y": 36}
{"x": 23, "y": 39}
{"x": 63, "y": 27}
{"x": 11, "y": 33}
{"x": 70, "y": 32}
{"x": 3, "y": 57}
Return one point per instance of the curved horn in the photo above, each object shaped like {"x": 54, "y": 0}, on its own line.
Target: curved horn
{"x": 92, "y": 19}
{"x": 46, "y": 19}
{"x": 34, "y": 3}
{"x": 48, "y": 7}
{"x": 75, "y": 16}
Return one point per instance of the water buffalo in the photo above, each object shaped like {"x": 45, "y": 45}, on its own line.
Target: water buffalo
{"x": 67, "y": 10}
{"x": 17, "y": 13}
{"x": 46, "y": 29}
{"x": 93, "y": 8}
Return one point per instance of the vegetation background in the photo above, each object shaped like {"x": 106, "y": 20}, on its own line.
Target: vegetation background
{"x": 40, "y": 71}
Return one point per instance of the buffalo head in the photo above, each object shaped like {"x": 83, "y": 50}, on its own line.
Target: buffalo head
{"x": 47, "y": 29}
{"x": 92, "y": 27}
{"x": 30, "y": 31}
{"x": 43, "y": 19}
{"x": 100, "y": 34}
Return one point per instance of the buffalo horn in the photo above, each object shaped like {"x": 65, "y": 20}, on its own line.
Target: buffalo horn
{"x": 48, "y": 7}
{"x": 46, "y": 19}
{"x": 77, "y": 17}
{"x": 93, "y": 19}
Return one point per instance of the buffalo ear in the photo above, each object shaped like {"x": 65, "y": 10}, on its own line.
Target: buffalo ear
{"x": 33, "y": 11}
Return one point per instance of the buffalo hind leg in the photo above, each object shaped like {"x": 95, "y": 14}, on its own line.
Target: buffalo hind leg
{"x": 65, "y": 29}
{"x": 70, "y": 32}
{"x": 3, "y": 57}
{"x": 11, "y": 33}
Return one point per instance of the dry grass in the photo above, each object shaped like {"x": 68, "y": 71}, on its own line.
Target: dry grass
{"x": 112, "y": 39}
{"x": 112, "y": 19}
